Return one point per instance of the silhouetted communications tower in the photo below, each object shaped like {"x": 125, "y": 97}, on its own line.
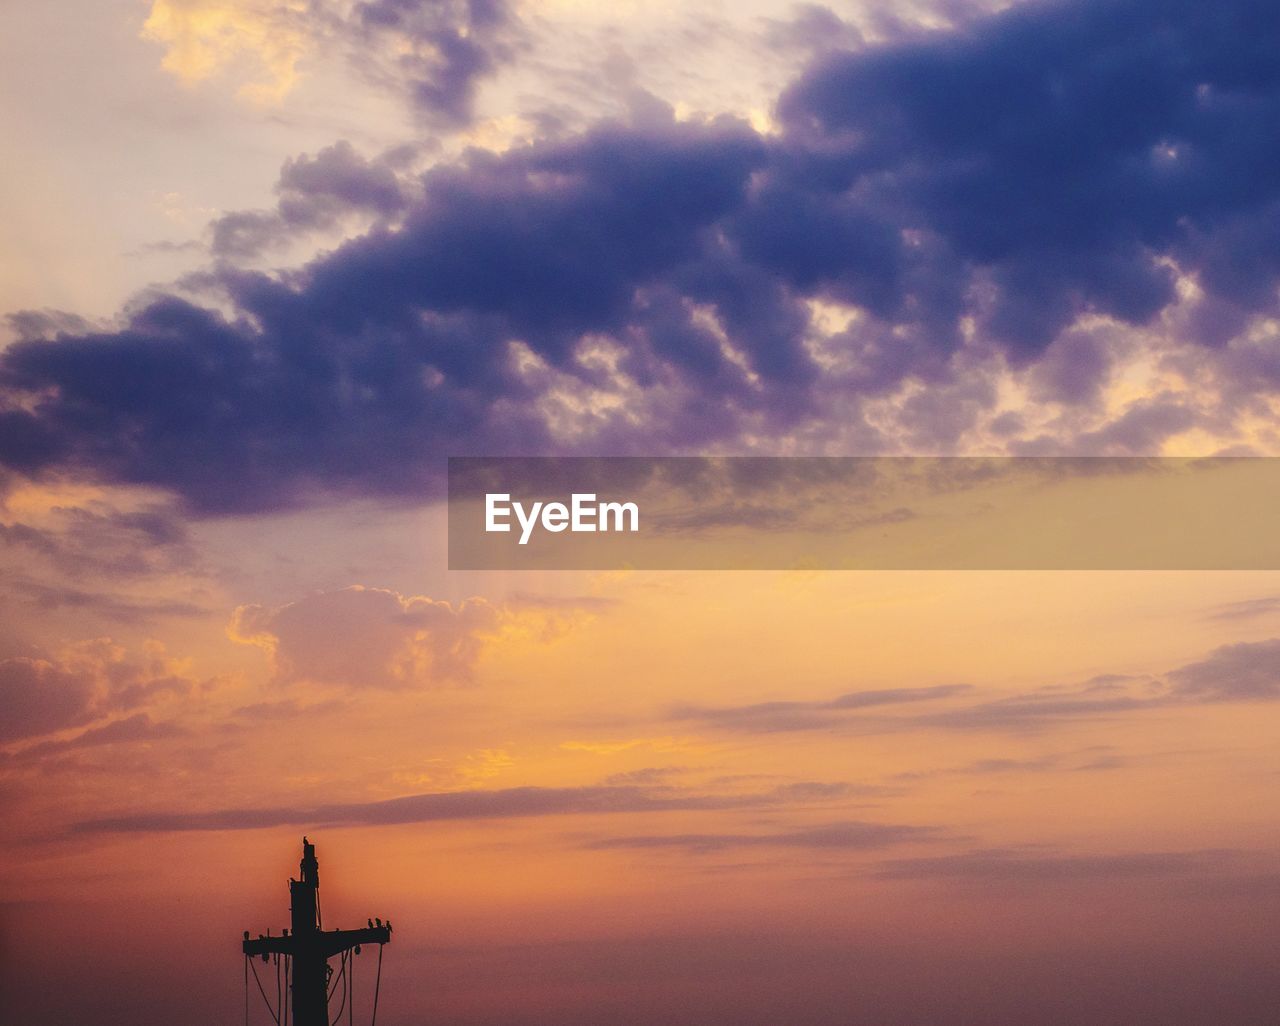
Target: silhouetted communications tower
{"x": 310, "y": 947}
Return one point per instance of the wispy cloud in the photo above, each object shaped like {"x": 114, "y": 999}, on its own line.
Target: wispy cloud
{"x": 516, "y": 802}
{"x": 1003, "y": 866}
{"x": 1093, "y": 758}
{"x": 1246, "y": 609}
{"x": 846, "y": 836}
{"x": 101, "y": 539}
{"x": 768, "y": 717}
{"x": 1244, "y": 672}
{"x": 138, "y": 727}
{"x": 1248, "y": 671}
{"x": 110, "y": 605}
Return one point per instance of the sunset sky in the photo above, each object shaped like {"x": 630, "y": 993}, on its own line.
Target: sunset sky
{"x": 268, "y": 263}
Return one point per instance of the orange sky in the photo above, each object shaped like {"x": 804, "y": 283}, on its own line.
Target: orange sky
{"x": 678, "y": 828}
{"x": 270, "y": 263}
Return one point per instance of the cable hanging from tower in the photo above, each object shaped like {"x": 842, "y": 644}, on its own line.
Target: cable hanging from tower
{"x": 265, "y": 1000}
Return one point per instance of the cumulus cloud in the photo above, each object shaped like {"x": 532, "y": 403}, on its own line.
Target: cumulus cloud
{"x": 84, "y": 683}
{"x": 969, "y": 197}
{"x": 373, "y": 637}
{"x": 1060, "y": 170}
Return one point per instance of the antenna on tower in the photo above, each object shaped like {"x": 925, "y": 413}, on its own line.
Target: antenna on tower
{"x": 303, "y": 952}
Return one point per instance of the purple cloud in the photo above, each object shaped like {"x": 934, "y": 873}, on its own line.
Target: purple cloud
{"x": 971, "y": 192}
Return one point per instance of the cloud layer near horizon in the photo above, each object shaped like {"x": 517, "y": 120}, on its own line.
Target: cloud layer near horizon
{"x": 466, "y": 805}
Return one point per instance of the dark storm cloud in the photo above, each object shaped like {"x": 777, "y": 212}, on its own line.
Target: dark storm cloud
{"x": 395, "y": 350}
{"x": 1013, "y": 174}
{"x": 1060, "y": 150}
{"x": 515, "y": 802}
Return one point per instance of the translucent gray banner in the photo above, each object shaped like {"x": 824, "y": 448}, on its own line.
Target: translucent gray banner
{"x": 863, "y": 513}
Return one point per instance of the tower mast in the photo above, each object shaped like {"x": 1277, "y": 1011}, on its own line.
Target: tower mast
{"x": 309, "y": 945}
